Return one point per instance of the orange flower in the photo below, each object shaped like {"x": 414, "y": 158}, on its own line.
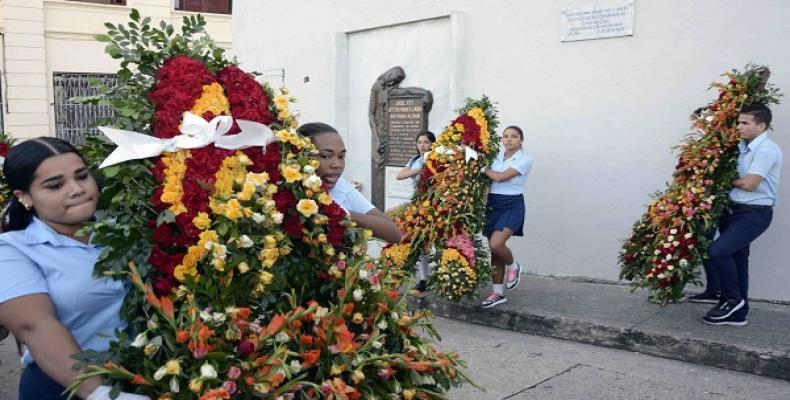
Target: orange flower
{"x": 216, "y": 394}
{"x": 140, "y": 380}
{"x": 182, "y": 336}
{"x": 309, "y": 358}
{"x": 348, "y": 308}
{"x": 275, "y": 325}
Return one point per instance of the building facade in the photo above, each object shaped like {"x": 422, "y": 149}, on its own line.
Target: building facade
{"x": 49, "y": 55}
{"x": 600, "y": 116}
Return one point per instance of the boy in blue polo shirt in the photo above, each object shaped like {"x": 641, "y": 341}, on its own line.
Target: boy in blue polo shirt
{"x": 751, "y": 208}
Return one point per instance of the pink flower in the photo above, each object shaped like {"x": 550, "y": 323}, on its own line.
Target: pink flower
{"x": 229, "y": 386}
{"x": 234, "y": 373}
{"x": 341, "y": 265}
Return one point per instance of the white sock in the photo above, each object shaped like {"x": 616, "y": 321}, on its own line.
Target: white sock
{"x": 422, "y": 268}
{"x": 499, "y": 288}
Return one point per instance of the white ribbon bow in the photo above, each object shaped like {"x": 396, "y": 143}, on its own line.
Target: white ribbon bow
{"x": 469, "y": 153}
{"x": 196, "y": 133}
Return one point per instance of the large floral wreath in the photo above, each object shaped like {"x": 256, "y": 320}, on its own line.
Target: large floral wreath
{"x": 447, "y": 212}
{"x": 248, "y": 280}
{"x": 670, "y": 240}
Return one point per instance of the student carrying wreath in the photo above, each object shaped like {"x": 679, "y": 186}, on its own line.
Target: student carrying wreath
{"x": 505, "y": 213}
{"x": 49, "y": 298}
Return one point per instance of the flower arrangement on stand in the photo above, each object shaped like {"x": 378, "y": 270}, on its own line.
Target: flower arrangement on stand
{"x": 670, "y": 240}
{"x": 447, "y": 212}
{"x": 248, "y": 280}
{"x": 6, "y": 142}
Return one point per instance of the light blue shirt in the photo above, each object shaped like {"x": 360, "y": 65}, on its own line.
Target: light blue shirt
{"x": 515, "y": 185}
{"x": 40, "y": 260}
{"x": 414, "y": 163}
{"x": 348, "y": 197}
{"x": 760, "y": 157}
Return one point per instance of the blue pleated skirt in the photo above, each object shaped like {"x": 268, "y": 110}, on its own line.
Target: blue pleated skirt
{"x": 505, "y": 211}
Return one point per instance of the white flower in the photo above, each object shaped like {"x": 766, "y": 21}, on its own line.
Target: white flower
{"x": 675, "y": 243}
{"x": 382, "y": 325}
{"x": 363, "y": 274}
{"x": 258, "y": 218}
{"x": 281, "y": 337}
{"x": 661, "y": 276}
{"x": 673, "y": 231}
{"x": 321, "y": 312}
{"x": 207, "y": 371}
{"x": 668, "y": 257}
{"x": 296, "y": 365}
{"x": 160, "y": 373}
{"x": 277, "y": 217}
{"x": 666, "y": 245}
{"x": 671, "y": 238}
{"x": 376, "y": 344}
{"x": 174, "y": 387}
{"x": 312, "y": 182}
{"x": 245, "y": 241}
{"x": 683, "y": 262}
{"x": 358, "y": 294}
{"x": 657, "y": 252}
{"x": 218, "y": 317}
{"x": 205, "y": 316}
{"x": 687, "y": 236}
{"x": 670, "y": 267}
{"x": 140, "y": 341}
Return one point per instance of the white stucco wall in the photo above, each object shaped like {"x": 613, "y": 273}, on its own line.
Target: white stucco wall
{"x": 600, "y": 116}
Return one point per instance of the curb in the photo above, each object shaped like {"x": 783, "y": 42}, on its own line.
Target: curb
{"x": 763, "y": 362}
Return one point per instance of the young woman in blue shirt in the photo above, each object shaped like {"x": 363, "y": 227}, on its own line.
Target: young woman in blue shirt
{"x": 49, "y": 298}
{"x": 506, "y": 212}
{"x": 412, "y": 170}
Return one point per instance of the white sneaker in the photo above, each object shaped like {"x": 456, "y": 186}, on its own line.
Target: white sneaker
{"x": 512, "y": 276}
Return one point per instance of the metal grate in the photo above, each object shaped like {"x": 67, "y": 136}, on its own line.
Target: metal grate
{"x": 74, "y": 121}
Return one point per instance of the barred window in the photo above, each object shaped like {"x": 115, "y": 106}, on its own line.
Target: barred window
{"x": 74, "y": 121}
{"x": 206, "y": 6}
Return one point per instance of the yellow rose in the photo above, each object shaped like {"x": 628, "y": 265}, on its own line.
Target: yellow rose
{"x": 281, "y": 102}
{"x": 284, "y": 114}
{"x": 325, "y": 198}
{"x": 246, "y": 192}
{"x": 257, "y": 179}
{"x": 173, "y": 367}
{"x": 307, "y": 207}
{"x": 243, "y": 267}
{"x": 196, "y": 385}
{"x": 265, "y": 277}
{"x": 202, "y": 221}
{"x": 209, "y": 236}
{"x": 291, "y": 174}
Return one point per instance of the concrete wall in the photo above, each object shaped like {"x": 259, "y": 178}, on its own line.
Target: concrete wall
{"x": 600, "y": 116}
{"x": 47, "y": 36}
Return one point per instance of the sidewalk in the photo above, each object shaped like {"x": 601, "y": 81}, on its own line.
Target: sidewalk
{"x": 610, "y": 315}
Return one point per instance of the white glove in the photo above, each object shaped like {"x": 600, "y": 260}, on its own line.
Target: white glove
{"x": 103, "y": 393}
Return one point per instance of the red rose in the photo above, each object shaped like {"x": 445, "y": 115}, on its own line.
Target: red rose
{"x": 247, "y": 98}
{"x": 284, "y": 199}
{"x": 293, "y": 227}
{"x": 334, "y": 212}
{"x": 4, "y": 149}
{"x": 156, "y": 199}
{"x": 335, "y": 236}
{"x": 163, "y": 236}
{"x": 245, "y": 348}
{"x": 162, "y": 285}
{"x": 187, "y": 227}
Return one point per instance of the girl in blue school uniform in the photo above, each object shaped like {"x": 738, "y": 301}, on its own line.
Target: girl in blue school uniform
{"x": 505, "y": 213}
{"x": 49, "y": 298}
{"x": 412, "y": 170}
{"x": 332, "y": 162}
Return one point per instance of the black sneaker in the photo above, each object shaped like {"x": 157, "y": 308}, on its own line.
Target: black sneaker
{"x": 725, "y": 309}
{"x": 493, "y": 299}
{"x": 705, "y": 297}
{"x": 731, "y": 320}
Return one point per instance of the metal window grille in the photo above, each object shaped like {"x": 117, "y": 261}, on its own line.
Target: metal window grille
{"x": 74, "y": 121}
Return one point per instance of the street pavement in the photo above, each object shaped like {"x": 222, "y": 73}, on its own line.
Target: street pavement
{"x": 519, "y": 366}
